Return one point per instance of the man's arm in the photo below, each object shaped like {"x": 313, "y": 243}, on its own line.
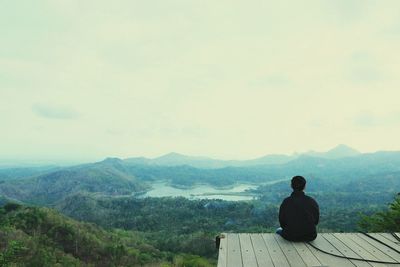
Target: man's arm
{"x": 316, "y": 212}
{"x": 282, "y": 217}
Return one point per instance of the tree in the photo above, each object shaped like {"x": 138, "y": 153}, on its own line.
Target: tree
{"x": 11, "y": 206}
{"x": 385, "y": 221}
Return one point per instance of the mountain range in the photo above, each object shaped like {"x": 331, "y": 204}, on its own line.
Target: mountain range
{"x": 176, "y": 159}
{"x": 118, "y": 177}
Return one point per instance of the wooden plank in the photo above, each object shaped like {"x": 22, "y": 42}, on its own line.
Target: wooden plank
{"x": 345, "y": 250}
{"x": 393, "y": 254}
{"x": 234, "y": 257}
{"x": 261, "y": 251}
{"x": 306, "y": 254}
{"x": 290, "y": 252}
{"x": 277, "y": 256}
{"x": 246, "y": 247}
{"x": 360, "y": 251}
{"x": 388, "y": 236}
{"x": 223, "y": 252}
{"x": 391, "y": 240}
{"x": 265, "y": 250}
{"x": 383, "y": 239}
{"x": 378, "y": 254}
{"x": 328, "y": 260}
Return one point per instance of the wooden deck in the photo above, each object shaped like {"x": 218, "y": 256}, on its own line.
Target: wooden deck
{"x": 239, "y": 250}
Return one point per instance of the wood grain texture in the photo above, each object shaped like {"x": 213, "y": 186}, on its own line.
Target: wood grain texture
{"x": 271, "y": 250}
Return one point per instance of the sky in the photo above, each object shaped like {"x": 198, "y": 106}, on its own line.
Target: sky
{"x": 85, "y": 80}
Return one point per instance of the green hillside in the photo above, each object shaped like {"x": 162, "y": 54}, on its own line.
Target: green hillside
{"x": 32, "y": 236}
{"x": 103, "y": 179}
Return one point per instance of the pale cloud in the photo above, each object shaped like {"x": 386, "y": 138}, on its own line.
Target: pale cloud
{"x": 366, "y": 120}
{"x": 371, "y": 119}
{"x": 349, "y": 11}
{"x": 55, "y": 112}
{"x": 365, "y": 75}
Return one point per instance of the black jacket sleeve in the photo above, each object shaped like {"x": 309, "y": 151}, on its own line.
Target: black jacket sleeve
{"x": 282, "y": 216}
{"x": 316, "y": 212}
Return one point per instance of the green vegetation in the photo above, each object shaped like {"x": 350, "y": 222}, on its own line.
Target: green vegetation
{"x": 32, "y": 236}
{"x": 172, "y": 224}
{"x": 24, "y": 172}
{"x": 182, "y": 225}
{"x": 162, "y": 231}
{"x": 384, "y": 221}
{"x": 105, "y": 179}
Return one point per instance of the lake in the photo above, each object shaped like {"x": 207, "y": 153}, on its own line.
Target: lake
{"x": 162, "y": 189}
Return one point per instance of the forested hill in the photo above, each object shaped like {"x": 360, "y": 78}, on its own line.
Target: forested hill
{"x": 104, "y": 178}
{"x": 31, "y": 236}
{"x": 43, "y": 237}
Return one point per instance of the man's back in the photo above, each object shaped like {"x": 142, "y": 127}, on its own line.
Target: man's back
{"x": 298, "y": 216}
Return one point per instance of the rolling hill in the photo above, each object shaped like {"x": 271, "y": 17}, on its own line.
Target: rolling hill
{"x": 105, "y": 178}
{"x": 114, "y": 177}
{"x": 32, "y": 236}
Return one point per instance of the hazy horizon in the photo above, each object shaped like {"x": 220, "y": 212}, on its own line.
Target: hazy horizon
{"x": 82, "y": 81}
{"x": 72, "y": 161}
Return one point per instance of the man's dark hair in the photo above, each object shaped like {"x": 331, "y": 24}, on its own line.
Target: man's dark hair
{"x": 298, "y": 183}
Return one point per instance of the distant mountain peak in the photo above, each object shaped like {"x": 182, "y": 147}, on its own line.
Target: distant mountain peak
{"x": 112, "y": 160}
{"x": 344, "y": 148}
{"x": 172, "y": 155}
{"x": 341, "y": 151}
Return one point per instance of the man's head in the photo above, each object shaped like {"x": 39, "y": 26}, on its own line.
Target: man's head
{"x": 298, "y": 183}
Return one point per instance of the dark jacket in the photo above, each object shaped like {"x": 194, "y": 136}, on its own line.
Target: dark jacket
{"x": 298, "y": 216}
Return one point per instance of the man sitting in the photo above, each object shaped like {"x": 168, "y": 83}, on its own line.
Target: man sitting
{"x": 298, "y": 214}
